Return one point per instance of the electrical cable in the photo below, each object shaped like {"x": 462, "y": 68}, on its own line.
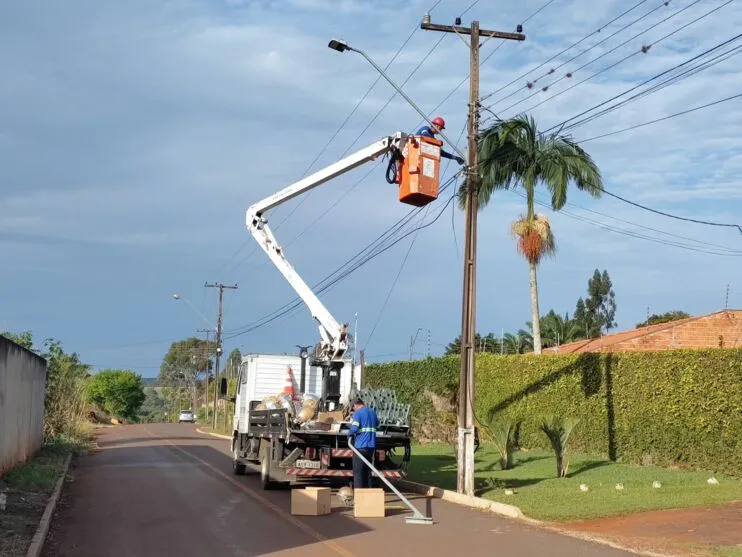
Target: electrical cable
{"x": 633, "y": 234}
{"x": 557, "y": 55}
{"x": 415, "y": 29}
{"x": 687, "y": 73}
{"x": 530, "y": 84}
{"x": 442, "y": 102}
{"x": 643, "y": 49}
{"x": 298, "y": 302}
{"x": 675, "y": 115}
{"x": 670, "y": 215}
{"x": 670, "y": 234}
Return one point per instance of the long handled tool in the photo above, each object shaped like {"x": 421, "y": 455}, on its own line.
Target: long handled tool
{"x": 417, "y": 517}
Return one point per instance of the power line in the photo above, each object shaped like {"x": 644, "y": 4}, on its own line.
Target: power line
{"x": 570, "y": 47}
{"x": 644, "y": 49}
{"x": 332, "y": 138}
{"x": 332, "y": 281}
{"x": 634, "y": 234}
{"x": 673, "y": 79}
{"x": 396, "y": 279}
{"x": 436, "y": 108}
{"x": 404, "y": 260}
{"x": 297, "y": 303}
{"x": 669, "y": 234}
{"x": 669, "y": 215}
{"x": 675, "y": 115}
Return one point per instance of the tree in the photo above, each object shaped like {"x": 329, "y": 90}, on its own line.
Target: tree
{"x": 586, "y": 321}
{"x": 24, "y": 339}
{"x": 601, "y": 300}
{"x": 519, "y": 343}
{"x": 64, "y": 398}
{"x": 183, "y": 366}
{"x": 666, "y": 317}
{"x": 557, "y": 329}
{"x": 513, "y": 152}
{"x": 234, "y": 361}
{"x": 489, "y": 343}
{"x": 153, "y": 408}
{"x": 119, "y": 392}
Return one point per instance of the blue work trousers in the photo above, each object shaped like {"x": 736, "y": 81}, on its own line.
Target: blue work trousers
{"x": 362, "y": 474}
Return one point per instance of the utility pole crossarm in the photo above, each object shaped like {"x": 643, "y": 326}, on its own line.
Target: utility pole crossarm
{"x": 332, "y": 333}
{"x": 467, "y": 31}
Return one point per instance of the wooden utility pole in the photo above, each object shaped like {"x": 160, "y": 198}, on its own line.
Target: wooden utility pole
{"x": 206, "y": 380}
{"x": 218, "y": 348}
{"x": 465, "y": 451}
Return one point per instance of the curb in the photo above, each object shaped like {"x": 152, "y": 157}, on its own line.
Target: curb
{"x": 510, "y": 511}
{"x": 219, "y": 435}
{"x": 37, "y": 542}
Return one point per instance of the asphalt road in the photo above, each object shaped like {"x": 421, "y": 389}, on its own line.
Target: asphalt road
{"x": 166, "y": 490}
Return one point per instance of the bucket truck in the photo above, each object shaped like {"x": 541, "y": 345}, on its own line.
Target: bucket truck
{"x": 288, "y": 446}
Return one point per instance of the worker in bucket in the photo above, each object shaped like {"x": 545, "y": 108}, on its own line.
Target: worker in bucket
{"x": 363, "y": 433}
{"x": 430, "y": 131}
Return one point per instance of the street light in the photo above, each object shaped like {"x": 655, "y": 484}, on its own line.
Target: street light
{"x": 341, "y": 46}
{"x": 178, "y": 297}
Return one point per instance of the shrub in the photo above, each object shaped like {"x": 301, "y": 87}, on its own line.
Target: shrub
{"x": 503, "y": 436}
{"x": 558, "y": 430}
{"x": 679, "y": 406}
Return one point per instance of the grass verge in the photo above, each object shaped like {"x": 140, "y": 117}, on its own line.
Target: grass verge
{"x": 27, "y": 488}
{"x": 543, "y": 496}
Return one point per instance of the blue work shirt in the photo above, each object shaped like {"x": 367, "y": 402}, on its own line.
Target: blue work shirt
{"x": 363, "y": 428}
{"x": 427, "y": 131}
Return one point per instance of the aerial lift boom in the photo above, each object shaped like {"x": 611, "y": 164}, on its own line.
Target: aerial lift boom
{"x": 333, "y": 334}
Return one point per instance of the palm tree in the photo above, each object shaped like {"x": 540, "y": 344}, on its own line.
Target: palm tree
{"x": 512, "y": 153}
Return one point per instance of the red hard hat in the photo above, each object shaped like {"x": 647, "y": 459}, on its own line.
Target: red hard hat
{"x": 440, "y": 122}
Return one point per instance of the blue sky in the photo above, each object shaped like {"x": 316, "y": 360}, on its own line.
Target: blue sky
{"x": 133, "y": 136}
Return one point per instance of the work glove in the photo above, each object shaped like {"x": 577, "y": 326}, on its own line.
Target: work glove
{"x": 459, "y": 160}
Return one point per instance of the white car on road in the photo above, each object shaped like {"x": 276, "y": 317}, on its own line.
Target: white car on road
{"x": 186, "y": 416}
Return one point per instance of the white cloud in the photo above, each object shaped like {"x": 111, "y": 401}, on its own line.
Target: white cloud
{"x": 135, "y": 136}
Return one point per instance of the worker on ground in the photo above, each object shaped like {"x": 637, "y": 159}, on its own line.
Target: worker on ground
{"x": 438, "y": 125}
{"x": 363, "y": 433}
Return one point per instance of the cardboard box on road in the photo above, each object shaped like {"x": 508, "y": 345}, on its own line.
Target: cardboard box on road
{"x": 368, "y": 503}
{"x": 311, "y": 501}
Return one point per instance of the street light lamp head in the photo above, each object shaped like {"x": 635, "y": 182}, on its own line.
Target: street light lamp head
{"x": 339, "y": 45}
{"x": 176, "y": 297}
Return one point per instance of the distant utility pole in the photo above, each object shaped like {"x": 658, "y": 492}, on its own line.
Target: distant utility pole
{"x": 218, "y": 349}
{"x": 412, "y": 343}
{"x": 206, "y": 381}
{"x": 465, "y": 474}
{"x": 726, "y": 303}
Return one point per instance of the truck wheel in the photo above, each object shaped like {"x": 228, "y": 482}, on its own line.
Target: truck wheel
{"x": 238, "y": 468}
{"x": 265, "y": 469}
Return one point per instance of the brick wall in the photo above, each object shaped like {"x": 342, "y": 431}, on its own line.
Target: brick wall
{"x": 723, "y": 329}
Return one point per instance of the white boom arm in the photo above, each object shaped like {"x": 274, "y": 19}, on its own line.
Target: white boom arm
{"x": 333, "y": 335}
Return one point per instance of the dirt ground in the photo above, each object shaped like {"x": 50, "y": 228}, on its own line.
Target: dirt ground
{"x": 19, "y": 521}
{"x": 673, "y": 532}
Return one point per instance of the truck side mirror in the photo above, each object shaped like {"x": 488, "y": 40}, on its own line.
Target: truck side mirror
{"x": 223, "y": 388}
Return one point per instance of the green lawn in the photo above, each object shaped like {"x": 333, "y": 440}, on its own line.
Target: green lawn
{"x": 727, "y": 551}
{"x": 539, "y": 494}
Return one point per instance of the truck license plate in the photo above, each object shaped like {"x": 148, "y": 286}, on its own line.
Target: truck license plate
{"x": 307, "y": 464}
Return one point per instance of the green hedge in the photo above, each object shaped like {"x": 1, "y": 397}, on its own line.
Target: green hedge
{"x": 670, "y": 407}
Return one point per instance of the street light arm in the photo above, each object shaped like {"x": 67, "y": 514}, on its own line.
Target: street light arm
{"x": 177, "y": 297}
{"x": 344, "y": 46}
